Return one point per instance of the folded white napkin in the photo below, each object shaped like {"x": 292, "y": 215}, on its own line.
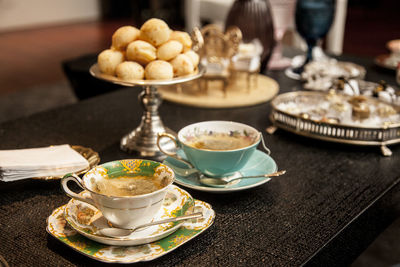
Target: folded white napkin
{"x": 40, "y": 162}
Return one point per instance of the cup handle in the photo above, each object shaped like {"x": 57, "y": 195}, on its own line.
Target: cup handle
{"x": 73, "y": 177}
{"x": 172, "y": 155}
{"x": 263, "y": 144}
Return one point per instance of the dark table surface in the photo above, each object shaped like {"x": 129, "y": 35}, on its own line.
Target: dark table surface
{"x": 332, "y": 203}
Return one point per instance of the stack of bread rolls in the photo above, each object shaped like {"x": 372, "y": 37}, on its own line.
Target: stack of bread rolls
{"x": 155, "y": 52}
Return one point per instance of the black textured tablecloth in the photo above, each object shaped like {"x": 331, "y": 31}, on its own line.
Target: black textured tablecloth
{"x": 333, "y": 201}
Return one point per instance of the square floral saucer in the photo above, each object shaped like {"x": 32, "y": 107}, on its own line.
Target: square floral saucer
{"x": 75, "y": 224}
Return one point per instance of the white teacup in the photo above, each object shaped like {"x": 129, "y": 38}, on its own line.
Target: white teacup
{"x": 124, "y": 210}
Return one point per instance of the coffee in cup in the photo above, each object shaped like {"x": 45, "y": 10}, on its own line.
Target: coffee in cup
{"x": 220, "y": 141}
{"x": 127, "y": 192}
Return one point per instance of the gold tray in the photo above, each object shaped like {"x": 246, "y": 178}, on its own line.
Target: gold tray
{"x": 239, "y": 93}
{"x": 89, "y": 154}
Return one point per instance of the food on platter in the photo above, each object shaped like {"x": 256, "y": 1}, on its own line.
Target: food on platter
{"x": 130, "y": 70}
{"x": 169, "y": 50}
{"x": 159, "y": 70}
{"x": 133, "y": 50}
{"x": 108, "y": 60}
{"x": 346, "y": 110}
{"x": 360, "y": 107}
{"x": 155, "y": 31}
{"x": 182, "y": 65}
{"x": 183, "y": 38}
{"x": 124, "y": 36}
{"x": 321, "y": 75}
{"x": 141, "y": 52}
{"x": 194, "y": 57}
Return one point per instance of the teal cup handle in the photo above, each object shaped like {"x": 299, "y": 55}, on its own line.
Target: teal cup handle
{"x": 263, "y": 144}
{"x": 177, "y": 144}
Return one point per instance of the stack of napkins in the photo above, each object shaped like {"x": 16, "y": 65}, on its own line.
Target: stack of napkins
{"x": 40, "y": 162}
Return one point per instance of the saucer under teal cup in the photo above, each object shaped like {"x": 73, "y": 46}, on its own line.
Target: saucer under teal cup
{"x": 259, "y": 163}
{"x": 214, "y": 163}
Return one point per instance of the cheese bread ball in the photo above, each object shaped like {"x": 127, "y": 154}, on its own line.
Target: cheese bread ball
{"x": 141, "y": 52}
{"x": 158, "y": 70}
{"x": 169, "y": 50}
{"x": 108, "y": 60}
{"x": 155, "y": 31}
{"x": 194, "y": 57}
{"x": 183, "y": 38}
{"x": 182, "y": 65}
{"x": 129, "y": 70}
{"x": 123, "y": 36}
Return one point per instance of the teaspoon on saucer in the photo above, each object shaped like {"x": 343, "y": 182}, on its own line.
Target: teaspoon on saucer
{"x": 222, "y": 182}
{"x": 119, "y": 232}
{"x": 181, "y": 171}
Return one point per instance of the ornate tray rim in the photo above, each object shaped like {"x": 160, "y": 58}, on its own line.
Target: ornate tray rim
{"x": 325, "y": 137}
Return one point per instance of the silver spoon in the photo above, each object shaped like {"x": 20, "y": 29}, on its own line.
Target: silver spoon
{"x": 119, "y": 232}
{"x": 222, "y": 182}
{"x": 181, "y": 171}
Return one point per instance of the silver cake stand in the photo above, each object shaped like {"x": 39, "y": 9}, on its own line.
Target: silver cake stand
{"x": 143, "y": 139}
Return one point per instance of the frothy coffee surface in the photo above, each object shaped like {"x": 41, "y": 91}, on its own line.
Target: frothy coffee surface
{"x": 220, "y": 141}
{"x": 129, "y": 186}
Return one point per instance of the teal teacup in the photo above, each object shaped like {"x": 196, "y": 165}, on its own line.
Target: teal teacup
{"x": 215, "y": 148}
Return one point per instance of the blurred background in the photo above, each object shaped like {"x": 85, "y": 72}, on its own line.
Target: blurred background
{"x": 37, "y": 36}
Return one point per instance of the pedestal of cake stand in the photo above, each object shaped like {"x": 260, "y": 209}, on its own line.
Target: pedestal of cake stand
{"x": 143, "y": 139}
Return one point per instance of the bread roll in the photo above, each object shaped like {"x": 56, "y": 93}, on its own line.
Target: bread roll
{"x": 129, "y": 70}
{"x": 183, "y": 38}
{"x": 169, "y": 50}
{"x": 141, "y": 52}
{"x": 159, "y": 70}
{"x": 108, "y": 60}
{"x": 182, "y": 65}
{"x": 155, "y": 31}
{"x": 194, "y": 57}
{"x": 123, "y": 36}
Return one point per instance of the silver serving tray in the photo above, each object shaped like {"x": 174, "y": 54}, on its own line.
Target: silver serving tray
{"x": 331, "y": 131}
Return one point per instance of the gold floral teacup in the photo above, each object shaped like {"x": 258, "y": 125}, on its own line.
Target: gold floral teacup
{"x": 127, "y": 192}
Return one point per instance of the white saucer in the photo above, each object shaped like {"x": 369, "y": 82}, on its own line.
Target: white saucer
{"x": 87, "y": 220}
{"x": 259, "y": 163}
